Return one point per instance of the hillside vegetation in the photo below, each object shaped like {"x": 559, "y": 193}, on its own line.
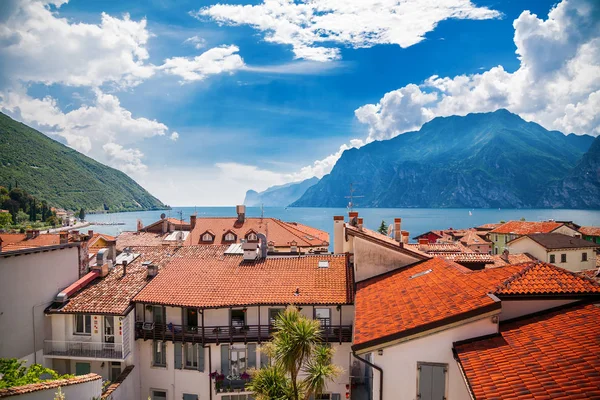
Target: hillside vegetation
{"x": 64, "y": 177}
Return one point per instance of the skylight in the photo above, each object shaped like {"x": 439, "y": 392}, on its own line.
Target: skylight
{"x": 421, "y": 274}
{"x": 324, "y": 264}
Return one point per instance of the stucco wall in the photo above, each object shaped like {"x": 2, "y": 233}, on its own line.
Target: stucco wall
{"x": 399, "y": 362}
{"x": 28, "y": 284}
{"x": 516, "y": 308}
{"x": 573, "y": 263}
{"x": 79, "y": 391}
{"x": 371, "y": 259}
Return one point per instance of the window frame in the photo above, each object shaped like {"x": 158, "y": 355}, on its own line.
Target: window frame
{"x": 563, "y": 258}
{"x": 187, "y": 347}
{"x": 152, "y": 390}
{"x": 113, "y": 366}
{"x": 433, "y": 364}
{"x": 84, "y": 325}
{"x": 252, "y": 237}
{"x": 227, "y": 234}
{"x": 231, "y": 311}
{"x": 584, "y": 256}
{"x": 238, "y": 349}
{"x": 552, "y": 259}
{"x": 328, "y": 319}
{"x": 163, "y": 351}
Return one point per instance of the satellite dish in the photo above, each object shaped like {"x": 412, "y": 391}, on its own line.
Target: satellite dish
{"x": 163, "y": 215}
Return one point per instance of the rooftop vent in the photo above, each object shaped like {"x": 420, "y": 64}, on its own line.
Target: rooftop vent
{"x": 250, "y": 251}
{"x": 323, "y": 264}
{"x": 151, "y": 268}
{"x": 421, "y": 274}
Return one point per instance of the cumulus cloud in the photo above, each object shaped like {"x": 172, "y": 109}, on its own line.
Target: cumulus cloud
{"x": 37, "y": 45}
{"x": 213, "y": 61}
{"x": 557, "y": 83}
{"x": 100, "y": 129}
{"x": 196, "y": 41}
{"x": 307, "y": 25}
{"x": 174, "y": 136}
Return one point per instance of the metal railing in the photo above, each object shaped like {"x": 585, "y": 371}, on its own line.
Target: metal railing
{"x": 113, "y": 351}
{"x": 228, "y": 334}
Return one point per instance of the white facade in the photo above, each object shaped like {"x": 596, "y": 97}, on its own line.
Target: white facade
{"x": 28, "y": 283}
{"x": 570, "y": 259}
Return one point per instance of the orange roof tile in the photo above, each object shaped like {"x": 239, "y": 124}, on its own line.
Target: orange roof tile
{"x": 432, "y": 248}
{"x": 45, "y": 385}
{"x": 19, "y": 241}
{"x": 386, "y": 240}
{"x": 548, "y": 356}
{"x": 516, "y": 258}
{"x": 590, "y": 230}
{"x": 137, "y": 239}
{"x": 201, "y": 276}
{"x": 527, "y": 227}
{"x": 113, "y": 293}
{"x": 464, "y": 257}
{"x": 419, "y": 296}
{"x": 546, "y": 279}
{"x": 472, "y": 239}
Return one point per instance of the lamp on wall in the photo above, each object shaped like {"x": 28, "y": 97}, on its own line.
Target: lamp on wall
{"x": 380, "y": 352}
{"x": 102, "y": 365}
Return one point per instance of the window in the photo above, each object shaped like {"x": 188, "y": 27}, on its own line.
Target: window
{"x": 431, "y": 380}
{"x": 159, "y": 354}
{"x": 207, "y": 237}
{"x": 109, "y": 329}
{"x": 230, "y": 237}
{"x": 495, "y": 250}
{"x": 563, "y": 258}
{"x": 584, "y": 256}
{"x": 552, "y": 259}
{"x": 191, "y": 356}
{"x": 158, "y": 394}
{"x": 323, "y": 315}
{"x": 238, "y": 318}
{"x": 251, "y": 237}
{"x": 82, "y": 368}
{"x": 273, "y": 313}
{"x": 115, "y": 371}
{"x": 191, "y": 319}
{"x": 158, "y": 316}
{"x": 237, "y": 360}
{"x": 187, "y": 396}
{"x": 495, "y": 238}
{"x": 323, "y": 396}
{"x": 83, "y": 324}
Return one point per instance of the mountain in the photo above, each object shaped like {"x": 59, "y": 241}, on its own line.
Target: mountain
{"x": 582, "y": 142}
{"x": 63, "y": 177}
{"x": 480, "y": 160}
{"x": 279, "y": 196}
{"x": 581, "y": 187}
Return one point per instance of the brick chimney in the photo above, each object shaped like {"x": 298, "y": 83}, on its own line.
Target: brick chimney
{"x": 398, "y": 230}
{"x": 241, "y": 213}
{"x": 64, "y": 237}
{"x": 424, "y": 244}
{"x": 338, "y": 234}
{"x": 124, "y": 267}
{"x": 165, "y": 226}
{"x": 405, "y": 237}
{"x": 192, "y": 222}
{"x": 28, "y": 234}
{"x": 353, "y": 216}
{"x": 360, "y": 223}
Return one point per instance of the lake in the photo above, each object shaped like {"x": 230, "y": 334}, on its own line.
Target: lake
{"x": 414, "y": 220}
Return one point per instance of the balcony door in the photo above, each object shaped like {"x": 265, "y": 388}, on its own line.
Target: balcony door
{"x": 109, "y": 329}
{"x": 191, "y": 319}
{"x": 158, "y": 316}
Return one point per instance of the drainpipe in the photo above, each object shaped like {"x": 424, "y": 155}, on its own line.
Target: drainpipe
{"x": 33, "y": 319}
{"x": 370, "y": 364}
{"x": 209, "y": 371}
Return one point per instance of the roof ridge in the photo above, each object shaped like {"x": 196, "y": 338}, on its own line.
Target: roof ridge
{"x": 506, "y": 284}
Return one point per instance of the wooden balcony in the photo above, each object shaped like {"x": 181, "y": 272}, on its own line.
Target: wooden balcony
{"x": 84, "y": 350}
{"x": 227, "y": 334}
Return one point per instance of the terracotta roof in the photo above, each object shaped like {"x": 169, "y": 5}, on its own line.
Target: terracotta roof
{"x": 436, "y": 233}
{"x": 19, "y": 241}
{"x": 279, "y": 232}
{"x": 179, "y": 224}
{"x": 115, "y": 385}
{"x": 516, "y": 258}
{"x": 546, "y": 279}
{"x": 420, "y": 296}
{"x": 472, "y": 239}
{"x": 136, "y": 239}
{"x": 432, "y": 248}
{"x": 96, "y": 237}
{"x": 487, "y": 227}
{"x": 527, "y": 227}
{"x": 389, "y": 242}
{"x": 463, "y": 257}
{"x": 202, "y": 276}
{"x": 548, "y": 356}
{"x": 34, "y": 387}
{"x": 113, "y": 293}
{"x": 590, "y": 230}
{"x": 555, "y": 241}
{"x": 591, "y": 273}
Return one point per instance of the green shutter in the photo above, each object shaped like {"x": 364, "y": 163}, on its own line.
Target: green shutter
{"x": 225, "y": 359}
{"x": 178, "y": 355}
{"x": 335, "y": 396}
{"x": 264, "y": 359}
{"x": 200, "y": 358}
{"x": 251, "y": 355}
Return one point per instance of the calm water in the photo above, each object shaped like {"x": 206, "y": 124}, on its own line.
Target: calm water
{"x": 415, "y": 220}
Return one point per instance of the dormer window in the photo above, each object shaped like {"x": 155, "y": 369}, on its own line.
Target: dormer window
{"x": 252, "y": 236}
{"x": 229, "y": 237}
{"x": 207, "y": 237}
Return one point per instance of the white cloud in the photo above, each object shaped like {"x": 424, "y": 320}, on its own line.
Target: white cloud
{"x": 37, "y": 45}
{"x": 100, "y": 130}
{"x": 306, "y": 24}
{"x": 196, "y": 41}
{"x": 556, "y": 85}
{"x": 213, "y": 61}
{"x": 174, "y": 136}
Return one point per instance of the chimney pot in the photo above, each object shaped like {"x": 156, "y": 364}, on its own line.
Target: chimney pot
{"x": 423, "y": 244}
{"x": 192, "y": 222}
{"x": 338, "y": 218}
{"x": 398, "y": 230}
{"x": 124, "y": 267}
{"x": 360, "y": 223}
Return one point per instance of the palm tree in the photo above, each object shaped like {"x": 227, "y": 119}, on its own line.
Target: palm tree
{"x": 296, "y": 349}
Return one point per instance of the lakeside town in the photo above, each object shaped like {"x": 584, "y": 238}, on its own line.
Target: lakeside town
{"x": 186, "y": 308}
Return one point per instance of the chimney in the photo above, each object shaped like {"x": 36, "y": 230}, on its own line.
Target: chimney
{"x": 140, "y": 225}
{"x": 360, "y": 223}
{"x": 124, "y": 267}
{"x": 504, "y": 255}
{"x": 241, "y": 213}
{"x": 151, "y": 268}
{"x": 28, "y": 234}
{"x": 165, "y": 226}
{"x": 192, "y": 222}
{"x": 405, "y": 237}
{"x": 398, "y": 230}
{"x": 353, "y": 216}
{"x": 90, "y": 233}
{"x": 36, "y": 233}
{"x": 338, "y": 234}
{"x": 424, "y": 244}
{"x": 64, "y": 237}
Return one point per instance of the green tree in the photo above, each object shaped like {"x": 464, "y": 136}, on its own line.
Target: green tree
{"x": 5, "y": 219}
{"x": 52, "y": 220}
{"x": 14, "y": 373}
{"x": 82, "y": 214}
{"x": 382, "y": 228}
{"x": 296, "y": 349}
{"x": 22, "y": 217}
{"x": 522, "y": 219}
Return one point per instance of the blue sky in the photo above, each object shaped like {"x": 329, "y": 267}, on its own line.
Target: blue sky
{"x": 262, "y": 111}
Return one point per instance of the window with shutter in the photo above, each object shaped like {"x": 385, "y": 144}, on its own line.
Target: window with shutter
{"x": 431, "y": 381}
{"x": 200, "y": 358}
{"x": 251, "y": 355}
{"x": 225, "y": 359}
{"x": 177, "y": 352}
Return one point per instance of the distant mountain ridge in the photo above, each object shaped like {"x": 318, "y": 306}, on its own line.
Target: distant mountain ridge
{"x": 280, "y": 195}
{"x": 482, "y": 160}
{"x": 64, "y": 177}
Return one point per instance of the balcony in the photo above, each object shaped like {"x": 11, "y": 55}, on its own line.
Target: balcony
{"x": 227, "y": 334}
{"x": 84, "y": 350}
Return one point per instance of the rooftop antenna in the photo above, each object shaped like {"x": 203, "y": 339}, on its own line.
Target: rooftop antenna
{"x": 352, "y": 197}
{"x": 181, "y": 216}
{"x": 262, "y": 211}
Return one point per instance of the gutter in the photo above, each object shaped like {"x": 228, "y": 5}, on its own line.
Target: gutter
{"x": 370, "y": 364}
{"x": 462, "y": 373}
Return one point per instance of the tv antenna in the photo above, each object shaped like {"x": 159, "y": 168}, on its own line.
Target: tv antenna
{"x": 262, "y": 211}
{"x": 352, "y": 197}
{"x": 180, "y": 212}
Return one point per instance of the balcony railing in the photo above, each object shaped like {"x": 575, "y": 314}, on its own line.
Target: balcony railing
{"x": 100, "y": 350}
{"x": 227, "y": 334}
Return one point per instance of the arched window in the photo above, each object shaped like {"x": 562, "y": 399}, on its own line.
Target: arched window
{"x": 230, "y": 237}
{"x": 207, "y": 237}
{"x": 252, "y": 237}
